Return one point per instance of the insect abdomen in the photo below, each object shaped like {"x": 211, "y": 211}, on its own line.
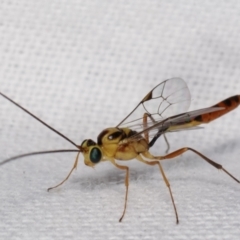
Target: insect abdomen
{"x": 228, "y": 104}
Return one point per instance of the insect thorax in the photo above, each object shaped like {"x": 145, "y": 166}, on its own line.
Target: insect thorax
{"x": 114, "y": 135}
{"x": 119, "y": 143}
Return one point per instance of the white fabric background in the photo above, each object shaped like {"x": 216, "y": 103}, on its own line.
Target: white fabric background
{"x": 81, "y": 66}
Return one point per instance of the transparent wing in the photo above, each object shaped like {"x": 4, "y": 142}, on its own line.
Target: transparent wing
{"x": 183, "y": 121}
{"x": 171, "y": 97}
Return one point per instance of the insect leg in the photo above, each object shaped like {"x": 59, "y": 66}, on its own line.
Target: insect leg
{"x": 165, "y": 180}
{"x": 166, "y": 141}
{"x": 74, "y": 167}
{"x": 145, "y": 116}
{"x": 126, "y": 184}
{"x": 183, "y": 150}
{"x": 146, "y": 135}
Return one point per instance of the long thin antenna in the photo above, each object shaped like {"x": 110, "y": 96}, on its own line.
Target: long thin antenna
{"x": 38, "y": 119}
{"x": 37, "y": 153}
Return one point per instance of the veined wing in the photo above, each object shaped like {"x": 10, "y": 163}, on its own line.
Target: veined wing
{"x": 171, "y": 97}
{"x": 178, "y": 122}
{"x": 190, "y": 120}
{"x": 182, "y": 121}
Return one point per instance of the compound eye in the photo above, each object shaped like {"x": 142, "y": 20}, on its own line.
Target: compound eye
{"x": 95, "y": 155}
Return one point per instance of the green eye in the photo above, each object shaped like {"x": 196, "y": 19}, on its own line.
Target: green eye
{"x": 95, "y": 155}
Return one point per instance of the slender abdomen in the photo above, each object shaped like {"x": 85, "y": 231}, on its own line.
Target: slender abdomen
{"x": 228, "y": 104}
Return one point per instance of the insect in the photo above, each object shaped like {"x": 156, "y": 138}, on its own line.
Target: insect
{"x": 162, "y": 110}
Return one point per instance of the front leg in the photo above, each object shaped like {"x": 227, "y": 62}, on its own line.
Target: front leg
{"x": 126, "y": 184}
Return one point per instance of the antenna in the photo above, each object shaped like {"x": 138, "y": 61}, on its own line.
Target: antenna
{"x": 38, "y": 119}
{"x": 38, "y": 153}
